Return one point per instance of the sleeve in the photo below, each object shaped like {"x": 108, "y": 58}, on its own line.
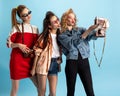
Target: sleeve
{"x": 64, "y": 50}
{"x": 35, "y": 29}
{"x": 92, "y": 36}
{"x": 12, "y": 37}
{"x": 81, "y": 30}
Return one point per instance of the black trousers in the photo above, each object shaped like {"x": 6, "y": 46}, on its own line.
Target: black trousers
{"x": 80, "y": 66}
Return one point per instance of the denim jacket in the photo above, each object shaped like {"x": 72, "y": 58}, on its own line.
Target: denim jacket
{"x": 72, "y": 43}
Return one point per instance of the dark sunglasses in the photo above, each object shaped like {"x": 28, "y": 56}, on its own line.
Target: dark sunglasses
{"x": 25, "y": 15}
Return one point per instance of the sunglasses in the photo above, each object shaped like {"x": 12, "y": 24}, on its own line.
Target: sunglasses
{"x": 55, "y": 21}
{"x": 25, "y": 15}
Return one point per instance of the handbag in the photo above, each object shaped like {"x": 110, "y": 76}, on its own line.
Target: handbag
{"x": 31, "y": 52}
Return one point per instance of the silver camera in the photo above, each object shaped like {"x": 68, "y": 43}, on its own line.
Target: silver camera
{"x": 105, "y": 22}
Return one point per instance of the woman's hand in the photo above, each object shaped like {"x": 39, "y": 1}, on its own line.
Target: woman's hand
{"x": 38, "y": 51}
{"x": 23, "y": 48}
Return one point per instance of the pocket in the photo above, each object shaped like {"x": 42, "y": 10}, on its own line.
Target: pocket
{"x": 53, "y": 66}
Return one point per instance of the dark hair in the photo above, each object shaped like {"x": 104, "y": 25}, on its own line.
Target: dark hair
{"x": 17, "y": 11}
{"x": 44, "y": 36}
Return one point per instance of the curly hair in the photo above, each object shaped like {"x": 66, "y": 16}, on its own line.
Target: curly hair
{"x": 64, "y": 20}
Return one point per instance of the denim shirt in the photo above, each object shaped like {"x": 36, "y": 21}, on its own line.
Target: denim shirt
{"x": 72, "y": 43}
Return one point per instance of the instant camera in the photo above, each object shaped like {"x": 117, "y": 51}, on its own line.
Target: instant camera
{"x": 104, "y": 21}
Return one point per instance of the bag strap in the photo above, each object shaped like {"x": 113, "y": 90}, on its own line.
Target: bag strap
{"x": 23, "y": 32}
{"x": 101, "y": 58}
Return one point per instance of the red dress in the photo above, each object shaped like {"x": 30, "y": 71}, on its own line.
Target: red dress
{"x": 19, "y": 66}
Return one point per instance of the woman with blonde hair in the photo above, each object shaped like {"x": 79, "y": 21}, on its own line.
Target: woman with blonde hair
{"x": 75, "y": 45}
{"x": 21, "y": 39}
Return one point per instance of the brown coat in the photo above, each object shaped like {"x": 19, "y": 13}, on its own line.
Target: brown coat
{"x": 43, "y": 61}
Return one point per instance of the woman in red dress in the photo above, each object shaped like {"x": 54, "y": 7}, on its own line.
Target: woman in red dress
{"x": 21, "y": 39}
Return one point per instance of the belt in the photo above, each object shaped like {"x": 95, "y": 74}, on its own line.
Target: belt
{"x": 55, "y": 59}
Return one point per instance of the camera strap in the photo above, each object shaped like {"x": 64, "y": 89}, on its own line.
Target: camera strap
{"x": 94, "y": 48}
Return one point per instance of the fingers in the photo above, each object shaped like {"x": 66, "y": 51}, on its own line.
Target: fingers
{"x": 38, "y": 51}
{"x": 24, "y": 48}
{"x": 102, "y": 21}
{"x": 32, "y": 72}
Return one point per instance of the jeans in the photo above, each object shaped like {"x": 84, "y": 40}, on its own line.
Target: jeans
{"x": 80, "y": 66}
{"x": 53, "y": 70}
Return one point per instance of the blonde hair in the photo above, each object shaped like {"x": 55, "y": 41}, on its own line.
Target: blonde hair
{"x": 16, "y": 11}
{"x": 64, "y": 20}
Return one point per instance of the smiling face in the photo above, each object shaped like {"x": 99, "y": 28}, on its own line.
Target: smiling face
{"x": 55, "y": 23}
{"x": 25, "y": 15}
{"x": 71, "y": 20}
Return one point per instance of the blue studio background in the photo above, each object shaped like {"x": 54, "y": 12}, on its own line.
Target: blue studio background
{"x": 106, "y": 79}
